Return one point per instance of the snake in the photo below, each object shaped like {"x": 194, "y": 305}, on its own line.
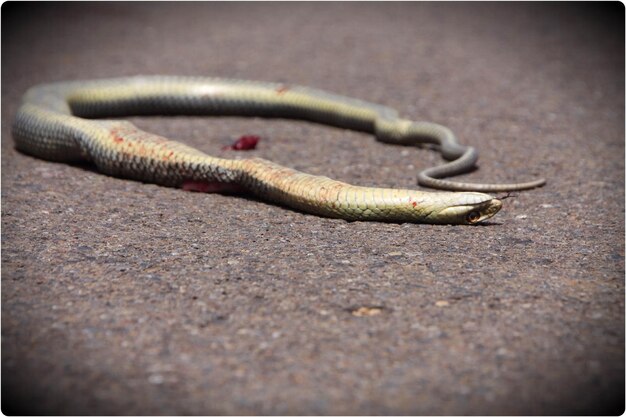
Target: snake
{"x": 71, "y": 121}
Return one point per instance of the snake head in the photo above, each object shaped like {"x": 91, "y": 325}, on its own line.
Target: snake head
{"x": 467, "y": 208}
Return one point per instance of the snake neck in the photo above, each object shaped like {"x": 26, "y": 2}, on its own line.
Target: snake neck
{"x": 330, "y": 198}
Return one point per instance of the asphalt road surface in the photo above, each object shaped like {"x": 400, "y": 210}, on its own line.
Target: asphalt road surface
{"x": 126, "y": 298}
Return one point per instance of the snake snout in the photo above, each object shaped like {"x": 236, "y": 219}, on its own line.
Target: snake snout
{"x": 490, "y": 208}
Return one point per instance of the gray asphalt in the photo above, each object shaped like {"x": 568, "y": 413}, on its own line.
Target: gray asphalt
{"x": 126, "y": 298}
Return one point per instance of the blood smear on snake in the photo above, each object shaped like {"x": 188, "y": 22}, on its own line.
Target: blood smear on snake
{"x": 210, "y": 186}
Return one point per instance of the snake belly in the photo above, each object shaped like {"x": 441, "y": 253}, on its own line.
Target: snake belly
{"x": 64, "y": 122}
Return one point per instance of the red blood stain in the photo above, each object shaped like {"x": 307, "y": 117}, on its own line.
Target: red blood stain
{"x": 210, "y": 187}
{"x": 414, "y": 204}
{"x": 116, "y": 136}
{"x": 244, "y": 143}
{"x": 282, "y": 89}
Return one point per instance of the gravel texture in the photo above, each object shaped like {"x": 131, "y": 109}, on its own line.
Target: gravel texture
{"x": 125, "y": 298}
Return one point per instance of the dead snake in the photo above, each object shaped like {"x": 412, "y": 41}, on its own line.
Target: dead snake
{"x": 60, "y": 122}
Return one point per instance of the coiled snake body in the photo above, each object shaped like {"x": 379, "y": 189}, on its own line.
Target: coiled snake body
{"x": 60, "y": 122}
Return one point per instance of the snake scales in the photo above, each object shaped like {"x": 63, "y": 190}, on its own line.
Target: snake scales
{"x": 61, "y": 122}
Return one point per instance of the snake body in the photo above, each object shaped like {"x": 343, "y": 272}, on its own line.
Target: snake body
{"x": 63, "y": 122}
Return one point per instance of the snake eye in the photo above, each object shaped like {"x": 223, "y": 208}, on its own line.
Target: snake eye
{"x": 473, "y": 217}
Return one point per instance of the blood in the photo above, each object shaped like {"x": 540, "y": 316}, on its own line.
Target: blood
{"x": 210, "y": 187}
{"x": 244, "y": 143}
{"x": 117, "y": 136}
{"x": 414, "y": 204}
{"x": 282, "y": 89}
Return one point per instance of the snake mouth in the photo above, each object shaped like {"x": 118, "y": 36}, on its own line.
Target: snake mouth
{"x": 471, "y": 213}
